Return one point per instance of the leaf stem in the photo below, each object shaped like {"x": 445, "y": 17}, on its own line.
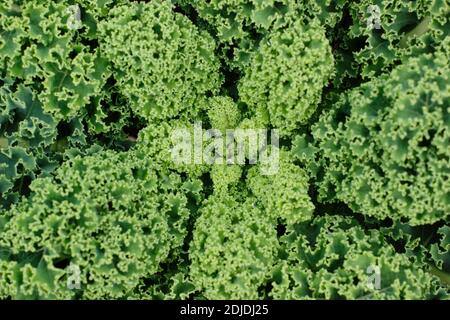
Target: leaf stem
{"x": 420, "y": 29}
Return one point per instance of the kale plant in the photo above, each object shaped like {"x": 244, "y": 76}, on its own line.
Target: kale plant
{"x": 224, "y": 149}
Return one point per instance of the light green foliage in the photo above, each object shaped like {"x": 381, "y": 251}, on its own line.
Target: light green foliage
{"x": 158, "y": 143}
{"x": 232, "y": 18}
{"x": 36, "y": 45}
{"x": 441, "y": 251}
{"x": 285, "y": 194}
{"x": 407, "y": 28}
{"x": 233, "y": 248}
{"x": 112, "y": 214}
{"x": 30, "y": 142}
{"x": 166, "y": 64}
{"x": 224, "y": 149}
{"x": 334, "y": 258}
{"x": 287, "y": 75}
{"x": 384, "y": 148}
{"x": 240, "y": 24}
{"x": 225, "y": 177}
{"x": 223, "y": 113}
{"x": 26, "y": 134}
{"x": 63, "y": 65}
{"x": 96, "y": 10}
{"x": 168, "y": 287}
